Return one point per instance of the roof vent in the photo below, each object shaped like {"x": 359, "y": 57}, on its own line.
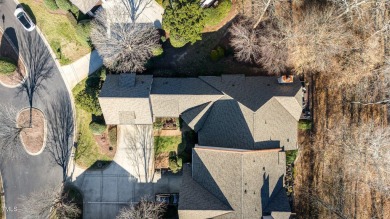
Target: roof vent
{"x": 127, "y": 80}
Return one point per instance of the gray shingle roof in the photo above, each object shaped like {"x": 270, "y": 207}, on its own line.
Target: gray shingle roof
{"x": 196, "y": 202}
{"x": 172, "y": 96}
{"x": 256, "y": 113}
{"x": 85, "y": 5}
{"x": 248, "y": 181}
{"x": 126, "y": 103}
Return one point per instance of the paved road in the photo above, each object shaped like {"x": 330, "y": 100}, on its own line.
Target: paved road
{"x": 33, "y": 172}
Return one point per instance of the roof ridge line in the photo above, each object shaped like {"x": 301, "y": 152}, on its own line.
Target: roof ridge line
{"x": 276, "y": 98}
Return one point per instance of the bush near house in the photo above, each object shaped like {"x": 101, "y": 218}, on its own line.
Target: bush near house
{"x": 113, "y": 136}
{"x": 50, "y": 4}
{"x": 7, "y": 66}
{"x": 175, "y": 162}
{"x": 97, "y": 128}
{"x": 217, "y": 54}
{"x": 304, "y": 125}
{"x": 88, "y": 100}
{"x": 214, "y": 15}
{"x": 88, "y": 152}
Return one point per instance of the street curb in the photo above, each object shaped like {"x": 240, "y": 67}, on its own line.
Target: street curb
{"x": 44, "y": 132}
{"x": 2, "y": 197}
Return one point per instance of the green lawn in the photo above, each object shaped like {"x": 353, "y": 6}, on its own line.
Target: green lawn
{"x": 214, "y": 16}
{"x": 166, "y": 143}
{"x": 87, "y": 149}
{"x": 60, "y": 30}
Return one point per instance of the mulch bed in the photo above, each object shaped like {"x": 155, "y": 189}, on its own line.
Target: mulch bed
{"x": 162, "y": 161}
{"x": 104, "y": 144}
{"x": 33, "y": 137}
{"x": 6, "y": 50}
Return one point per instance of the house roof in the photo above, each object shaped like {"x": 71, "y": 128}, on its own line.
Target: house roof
{"x": 255, "y": 113}
{"x": 247, "y": 181}
{"x": 196, "y": 202}
{"x": 124, "y": 99}
{"x": 172, "y": 96}
{"x": 85, "y": 5}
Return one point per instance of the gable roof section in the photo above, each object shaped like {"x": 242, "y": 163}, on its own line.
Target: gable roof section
{"x": 85, "y": 5}
{"x": 172, "y": 96}
{"x": 252, "y": 92}
{"x": 196, "y": 202}
{"x": 195, "y": 117}
{"x": 244, "y": 180}
{"x": 260, "y": 113}
{"x": 126, "y": 103}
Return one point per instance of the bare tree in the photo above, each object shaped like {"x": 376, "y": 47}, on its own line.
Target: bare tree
{"x": 245, "y": 41}
{"x": 43, "y": 203}
{"x": 9, "y": 133}
{"x": 316, "y": 39}
{"x": 60, "y": 131}
{"x": 140, "y": 151}
{"x": 143, "y": 209}
{"x": 39, "y": 67}
{"x": 124, "y": 45}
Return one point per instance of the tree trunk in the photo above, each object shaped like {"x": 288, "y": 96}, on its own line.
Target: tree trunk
{"x": 261, "y": 17}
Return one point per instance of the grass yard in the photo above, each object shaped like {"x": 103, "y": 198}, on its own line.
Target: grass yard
{"x": 167, "y": 144}
{"x": 60, "y": 29}
{"x": 88, "y": 151}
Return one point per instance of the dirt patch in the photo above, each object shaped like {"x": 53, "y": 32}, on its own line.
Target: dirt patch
{"x": 162, "y": 161}
{"x": 6, "y": 50}
{"x": 161, "y": 132}
{"x": 104, "y": 144}
{"x": 32, "y": 137}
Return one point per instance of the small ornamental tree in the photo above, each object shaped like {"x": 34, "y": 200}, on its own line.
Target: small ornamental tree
{"x": 184, "y": 20}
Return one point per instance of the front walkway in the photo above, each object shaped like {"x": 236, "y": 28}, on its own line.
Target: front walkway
{"x": 106, "y": 191}
{"x": 80, "y": 69}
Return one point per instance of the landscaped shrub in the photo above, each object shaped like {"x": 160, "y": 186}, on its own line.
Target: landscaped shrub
{"x": 214, "y": 16}
{"x": 51, "y": 4}
{"x": 112, "y": 135}
{"x": 175, "y": 164}
{"x": 184, "y": 21}
{"x": 97, "y": 128}
{"x": 217, "y": 54}
{"x": 88, "y": 101}
{"x": 64, "y": 4}
{"x": 7, "y": 66}
{"x": 157, "y": 51}
{"x": 304, "y": 125}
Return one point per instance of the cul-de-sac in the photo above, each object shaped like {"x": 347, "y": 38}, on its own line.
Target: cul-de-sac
{"x": 194, "y": 109}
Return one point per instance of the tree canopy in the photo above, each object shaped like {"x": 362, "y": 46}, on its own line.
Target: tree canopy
{"x": 184, "y": 20}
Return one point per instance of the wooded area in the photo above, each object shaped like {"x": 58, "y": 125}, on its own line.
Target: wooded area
{"x": 341, "y": 47}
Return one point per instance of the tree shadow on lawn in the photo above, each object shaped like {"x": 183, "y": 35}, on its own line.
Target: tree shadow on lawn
{"x": 194, "y": 60}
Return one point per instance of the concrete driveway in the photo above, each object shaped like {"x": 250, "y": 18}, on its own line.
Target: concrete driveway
{"x": 107, "y": 191}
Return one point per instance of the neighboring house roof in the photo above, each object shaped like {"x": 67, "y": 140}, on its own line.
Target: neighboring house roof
{"x": 249, "y": 182}
{"x": 85, "y": 5}
{"x": 144, "y": 12}
{"x": 124, "y": 99}
{"x": 172, "y": 96}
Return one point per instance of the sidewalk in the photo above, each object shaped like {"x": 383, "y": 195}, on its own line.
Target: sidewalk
{"x": 80, "y": 69}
